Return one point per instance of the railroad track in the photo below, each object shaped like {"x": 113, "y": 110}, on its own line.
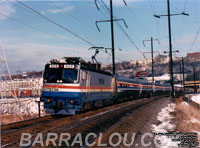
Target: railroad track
{"x": 22, "y": 121}
{"x": 25, "y": 124}
{"x": 81, "y": 121}
{"x": 112, "y": 129}
{"x": 95, "y": 139}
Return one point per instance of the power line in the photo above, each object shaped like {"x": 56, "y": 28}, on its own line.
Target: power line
{"x": 194, "y": 39}
{"x": 185, "y": 5}
{"x": 170, "y": 45}
{"x": 76, "y": 18}
{"x": 37, "y": 29}
{"x": 126, "y": 34}
{"x": 107, "y": 10}
{"x": 141, "y": 25}
{"x": 130, "y": 39}
{"x": 174, "y": 40}
{"x": 53, "y": 22}
{"x": 181, "y": 28}
{"x": 157, "y": 25}
{"x": 121, "y": 28}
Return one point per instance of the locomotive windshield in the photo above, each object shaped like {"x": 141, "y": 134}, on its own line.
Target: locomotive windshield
{"x": 52, "y": 75}
{"x": 58, "y": 75}
{"x": 69, "y": 75}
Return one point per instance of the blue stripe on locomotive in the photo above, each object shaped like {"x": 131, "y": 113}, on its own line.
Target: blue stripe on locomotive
{"x": 65, "y": 98}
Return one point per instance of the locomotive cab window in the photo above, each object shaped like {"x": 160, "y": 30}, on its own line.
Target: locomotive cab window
{"x": 51, "y": 75}
{"x": 59, "y": 73}
{"x": 69, "y": 75}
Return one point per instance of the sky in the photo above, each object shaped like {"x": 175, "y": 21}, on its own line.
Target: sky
{"x": 34, "y": 32}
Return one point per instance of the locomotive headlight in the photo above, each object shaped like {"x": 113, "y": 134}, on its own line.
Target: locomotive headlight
{"x": 71, "y": 101}
{"x": 54, "y": 66}
{"x": 69, "y": 66}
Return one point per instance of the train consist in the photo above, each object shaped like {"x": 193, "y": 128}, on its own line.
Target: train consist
{"x": 71, "y": 85}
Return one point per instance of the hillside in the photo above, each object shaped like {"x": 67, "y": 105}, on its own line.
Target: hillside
{"x": 161, "y": 67}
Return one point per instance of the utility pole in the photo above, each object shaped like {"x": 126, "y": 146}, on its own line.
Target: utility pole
{"x": 112, "y": 30}
{"x": 183, "y": 72}
{"x": 112, "y": 36}
{"x": 195, "y": 88}
{"x": 170, "y": 47}
{"x": 181, "y": 80}
{"x": 152, "y": 61}
{"x": 171, "y": 72}
{"x": 170, "y": 51}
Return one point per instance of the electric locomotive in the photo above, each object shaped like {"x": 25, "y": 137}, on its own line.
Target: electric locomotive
{"x": 72, "y": 84}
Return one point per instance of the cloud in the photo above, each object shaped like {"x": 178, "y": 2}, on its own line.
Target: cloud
{"x": 56, "y": 11}
{"x": 6, "y": 9}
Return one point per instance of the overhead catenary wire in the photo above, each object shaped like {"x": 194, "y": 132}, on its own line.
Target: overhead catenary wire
{"x": 37, "y": 29}
{"x": 181, "y": 25}
{"x": 174, "y": 41}
{"x": 55, "y": 23}
{"x": 121, "y": 28}
{"x": 32, "y": 12}
{"x": 107, "y": 10}
{"x": 141, "y": 25}
{"x": 185, "y": 4}
{"x": 77, "y": 19}
{"x": 194, "y": 39}
{"x": 157, "y": 24}
{"x": 125, "y": 33}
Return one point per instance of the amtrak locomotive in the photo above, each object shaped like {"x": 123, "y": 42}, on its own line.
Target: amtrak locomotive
{"x": 71, "y": 85}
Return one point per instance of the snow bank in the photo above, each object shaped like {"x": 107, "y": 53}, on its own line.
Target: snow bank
{"x": 196, "y": 98}
{"x": 24, "y": 106}
{"x": 165, "y": 126}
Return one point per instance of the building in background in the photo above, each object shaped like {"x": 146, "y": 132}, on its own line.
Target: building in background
{"x": 195, "y": 56}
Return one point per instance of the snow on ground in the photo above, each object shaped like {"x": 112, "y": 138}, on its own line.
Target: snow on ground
{"x": 23, "y": 106}
{"x": 196, "y": 98}
{"x": 13, "y": 110}
{"x": 188, "y": 119}
{"x": 165, "y": 126}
